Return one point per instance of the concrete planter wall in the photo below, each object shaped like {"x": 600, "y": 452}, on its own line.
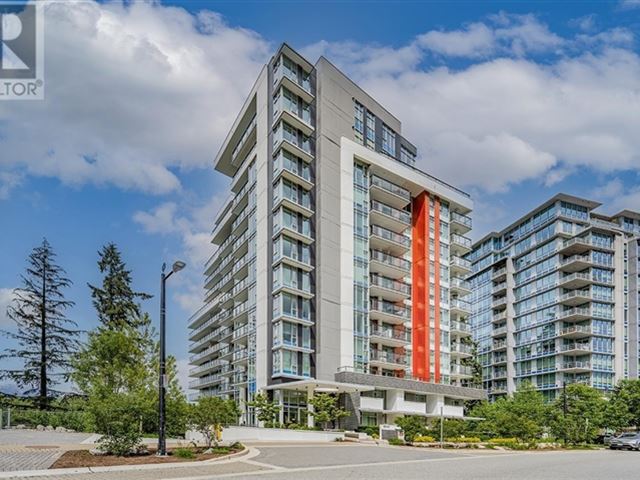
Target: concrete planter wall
{"x": 254, "y": 434}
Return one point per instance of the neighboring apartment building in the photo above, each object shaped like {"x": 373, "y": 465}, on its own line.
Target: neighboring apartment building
{"x": 339, "y": 265}
{"x": 555, "y": 298}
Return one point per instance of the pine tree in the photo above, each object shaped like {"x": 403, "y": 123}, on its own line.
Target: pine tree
{"x": 47, "y": 339}
{"x": 116, "y": 302}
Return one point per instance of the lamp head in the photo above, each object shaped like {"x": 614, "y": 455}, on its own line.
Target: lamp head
{"x": 178, "y": 265}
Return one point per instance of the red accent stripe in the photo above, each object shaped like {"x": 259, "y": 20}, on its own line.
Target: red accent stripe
{"x": 420, "y": 287}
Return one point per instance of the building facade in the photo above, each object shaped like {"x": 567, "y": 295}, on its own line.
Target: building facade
{"x": 339, "y": 265}
{"x": 555, "y": 299}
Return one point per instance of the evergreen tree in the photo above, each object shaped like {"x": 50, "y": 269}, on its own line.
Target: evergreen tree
{"x": 116, "y": 302}
{"x": 46, "y": 338}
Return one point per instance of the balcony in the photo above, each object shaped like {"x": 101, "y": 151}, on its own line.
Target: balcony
{"x": 460, "y": 223}
{"x": 296, "y": 199}
{"x": 576, "y": 348}
{"x": 389, "y": 241}
{"x": 575, "y": 263}
{"x": 576, "y": 297}
{"x": 388, "y": 265}
{"x": 499, "y": 332}
{"x": 499, "y": 345}
{"x": 389, "y": 193}
{"x": 389, "y": 312}
{"x": 575, "y": 314}
{"x": 576, "y": 367}
{"x": 461, "y": 350}
{"x": 576, "y": 280}
{"x": 287, "y": 137}
{"x": 499, "y": 274}
{"x": 389, "y": 217}
{"x": 246, "y": 142}
{"x": 459, "y": 328}
{"x": 576, "y": 331}
{"x": 460, "y": 245}
{"x": 499, "y": 288}
{"x": 499, "y": 317}
{"x": 287, "y": 166}
{"x": 390, "y": 337}
{"x": 460, "y": 371}
{"x": 459, "y": 286}
{"x": 460, "y": 306}
{"x": 499, "y": 302}
{"x": 459, "y": 266}
{"x": 384, "y": 359}
{"x": 284, "y": 75}
{"x": 388, "y": 288}
{"x": 287, "y": 109}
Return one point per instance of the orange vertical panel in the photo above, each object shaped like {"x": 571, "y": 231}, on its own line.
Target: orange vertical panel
{"x": 420, "y": 286}
{"x": 436, "y": 274}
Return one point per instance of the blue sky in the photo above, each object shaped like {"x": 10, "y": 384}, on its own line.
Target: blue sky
{"x": 513, "y": 101}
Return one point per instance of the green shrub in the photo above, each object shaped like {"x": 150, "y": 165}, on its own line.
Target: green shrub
{"x": 396, "y": 441}
{"x": 424, "y": 439}
{"x": 183, "y": 452}
{"x": 463, "y": 440}
{"x": 369, "y": 430}
{"x": 412, "y": 426}
{"x": 120, "y": 444}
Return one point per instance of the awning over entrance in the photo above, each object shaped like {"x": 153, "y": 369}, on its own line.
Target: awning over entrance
{"x": 321, "y": 386}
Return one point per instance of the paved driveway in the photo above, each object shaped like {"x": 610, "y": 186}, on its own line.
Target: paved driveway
{"x": 34, "y": 437}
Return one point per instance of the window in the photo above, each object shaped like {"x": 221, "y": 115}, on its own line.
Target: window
{"x": 407, "y": 157}
{"x": 358, "y": 123}
{"x": 371, "y": 130}
{"x": 414, "y": 397}
{"x": 388, "y": 141}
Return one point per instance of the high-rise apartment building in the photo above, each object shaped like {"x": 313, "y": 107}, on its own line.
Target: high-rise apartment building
{"x": 555, "y": 298}
{"x": 339, "y": 265}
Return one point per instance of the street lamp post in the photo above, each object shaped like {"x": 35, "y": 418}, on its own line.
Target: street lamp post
{"x": 162, "y": 443}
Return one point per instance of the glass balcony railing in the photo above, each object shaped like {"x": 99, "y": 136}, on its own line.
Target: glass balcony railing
{"x": 390, "y": 284}
{"x": 461, "y": 240}
{"x": 460, "y": 305}
{"x": 460, "y": 262}
{"x": 402, "y": 335}
{"x": 284, "y": 103}
{"x": 390, "y": 187}
{"x": 390, "y": 235}
{"x": 390, "y": 260}
{"x": 387, "y": 357}
{"x": 461, "y": 219}
{"x": 457, "y": 282}
{"x": 244, "y": 138}
{"x": 394, "y": 213}
{"x": 285, "y": 69}
{"x": 460, "y": 327}
{"x": 299, "y": 168}
{"x": 290, "y": 134}
{"x": 390, "y": 308}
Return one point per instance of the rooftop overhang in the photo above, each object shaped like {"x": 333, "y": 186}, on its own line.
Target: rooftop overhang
{"x": 295, "y": 56}
{"x": 321, "y": 386}
{"x": 224, "y": 162}
{"x": 410, "y": 178}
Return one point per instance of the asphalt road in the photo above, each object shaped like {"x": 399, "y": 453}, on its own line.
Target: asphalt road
{"x": 371, "y": 463}
{"x": 351, "y": 461}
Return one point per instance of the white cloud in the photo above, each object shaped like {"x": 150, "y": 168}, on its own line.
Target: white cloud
{"x": 475, "y": 40}
{"x": 629, "y": 4}
{"x": 193, "y": 224}
{"x": 613, "y": 188}
{"x": 6, "y": 297}
{"x": 8, "y": 181}
{"x": 133, "y": 94}
{"x": 585, "y": 23}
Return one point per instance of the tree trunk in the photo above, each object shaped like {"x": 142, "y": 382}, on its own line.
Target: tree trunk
{"x": 43, "y": 343}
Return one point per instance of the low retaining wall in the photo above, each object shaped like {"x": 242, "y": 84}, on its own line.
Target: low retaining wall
{"x": 255, "y": 434}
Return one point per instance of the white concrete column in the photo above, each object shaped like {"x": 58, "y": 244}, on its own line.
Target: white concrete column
{"x": 310, "y": 420}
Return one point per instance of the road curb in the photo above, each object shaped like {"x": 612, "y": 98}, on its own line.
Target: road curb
{"x": 121, "y": 468}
